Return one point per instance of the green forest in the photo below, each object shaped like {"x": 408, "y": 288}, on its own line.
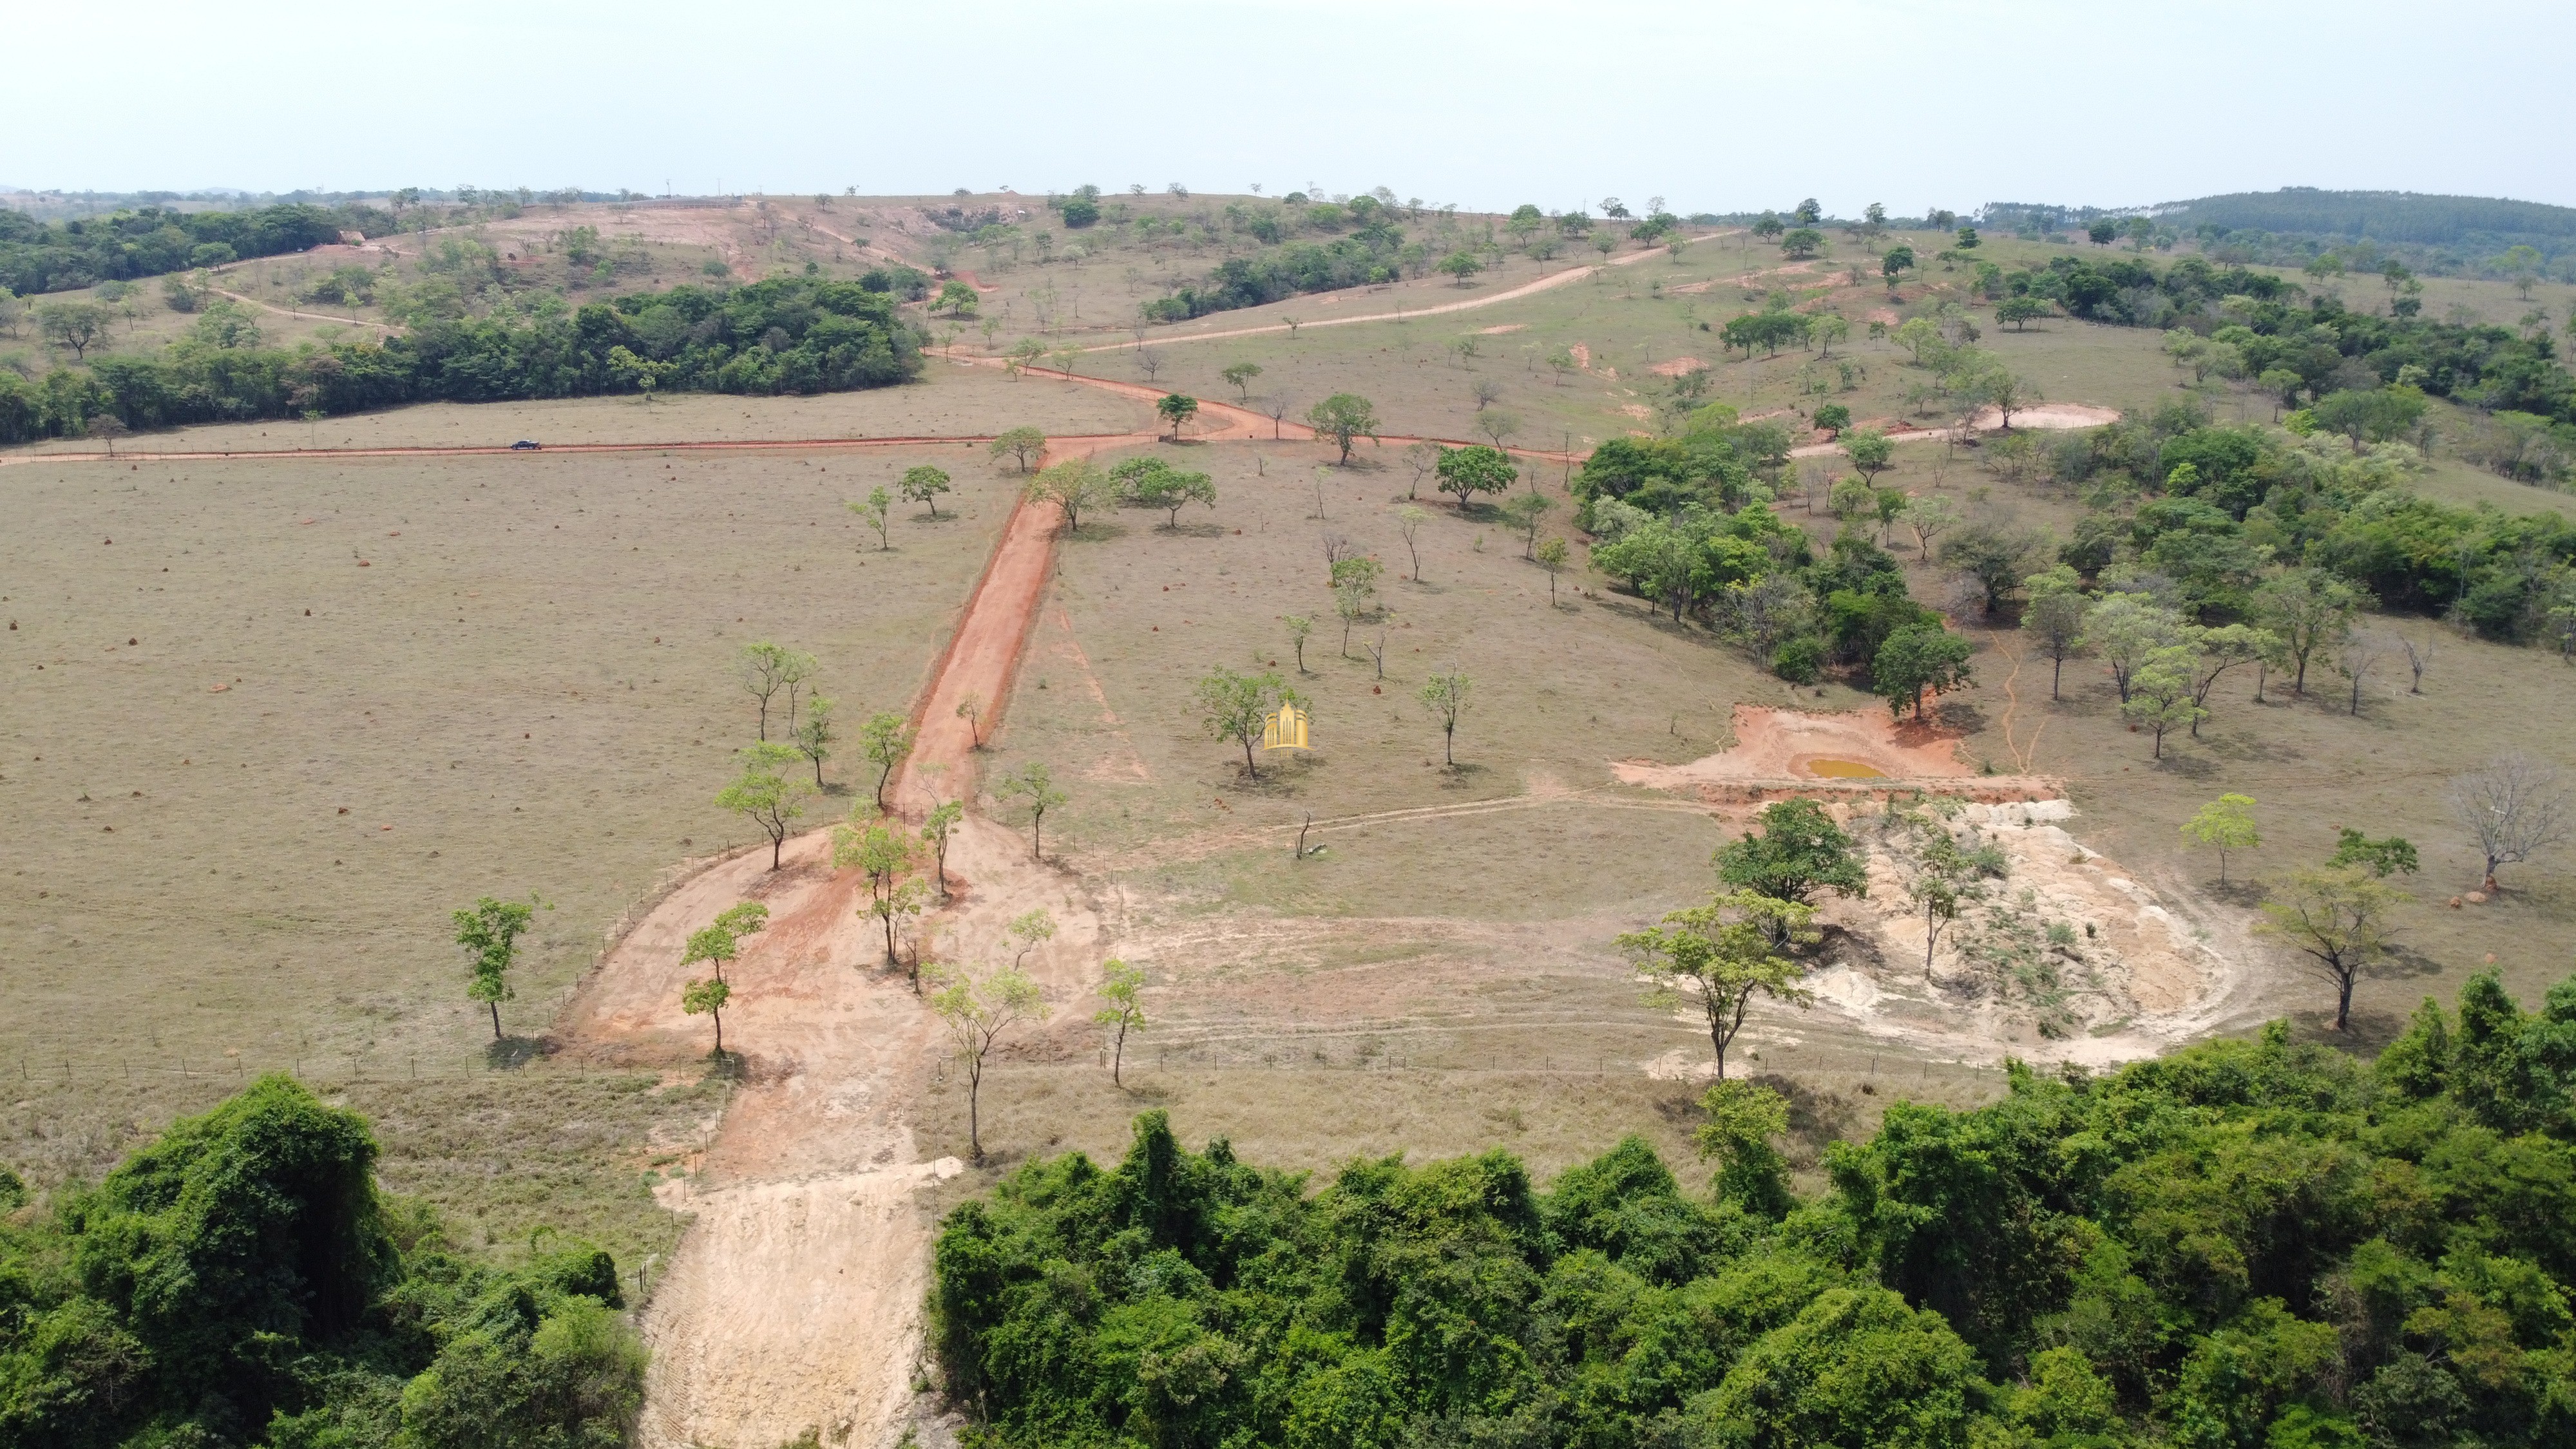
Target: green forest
{"x": 37, "y": 256}
{"x": 786, "y": 335}
{"x": 2244, "y": 1245}
{"x": 241, "y": 1281}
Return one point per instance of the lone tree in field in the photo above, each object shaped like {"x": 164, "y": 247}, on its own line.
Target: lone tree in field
{"x": 1342, "y": 417}
{"x": 1724, "y": 953}
{"x": 815, "y": 737}
{"x": 2054, "y": 618}
{"x": 937, "y": 829}
{"x": 1871, "y": 452}
{"x": 976, "y": 1011}
{"x": 766, "y": 668}
{"x": 1074, "y": 485}
{"x": 878, "y": 513}
{"x": 1947, "y": 874}
{"x": 1035, "y": 783}
{"x": 2338, "y": 917}
{"x": 1445, "y": 695}
{"x": 923, "y": 484}
{"x": 2514, "y": 808}
{"x": 1152, "y": 483}
{"x": 708, "y": 998}
{"x": 1916, "y": 659}
{"x": 1475, "y": 469}
{"x": 1239, "y": 377}
{"x": 1177, "y": 409}
{"x": 1022, "y": 445}
{"x": 891, "y": 859}
{"x": 490, "y": 935}
{"x": 765, "y": 794}
{"x": 887, "y": 739}
{"x": 1299, "y": 627}
{"x": 2224, "y": 824}
{"x": 2382, "y": 858}
{"x": 1232, "y": 707}
{"x": 1122, "y": 1010}
{"x": 1354, "y": 593}
{"x": 1554, "y": 557}
{"x": 1800, "y": 851}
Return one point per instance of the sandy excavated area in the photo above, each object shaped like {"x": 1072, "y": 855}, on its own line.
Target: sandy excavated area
{"x": 2140, "y": 974}
{"x": 1861, "y": 753}
{"x": 794, "y": 1301}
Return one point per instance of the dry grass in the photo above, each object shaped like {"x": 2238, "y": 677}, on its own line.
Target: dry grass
{"x": 527, "y": 688}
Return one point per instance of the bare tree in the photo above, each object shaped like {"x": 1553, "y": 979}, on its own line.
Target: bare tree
{"x": 1486, "y": 392}
{"x": 2419, "y": 654}
{"x": 1149, "y": 362}
{"x": 1277, "y": 406}
{"x": 2514, "y": 807}
{"x": 1421, "y": 458}
{"x": 2355, "y": 660}
{"x": 1338, "y": 547}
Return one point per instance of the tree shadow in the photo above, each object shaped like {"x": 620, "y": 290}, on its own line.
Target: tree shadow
{"x": 513, "y": 1052}
{"x": 1094, "y": 531}
{"x": 1461, "y": 775}
{"x": 1816, "y": 1116}
{"x": 1280, "y": 778}
{"x": 1194, "y": 530}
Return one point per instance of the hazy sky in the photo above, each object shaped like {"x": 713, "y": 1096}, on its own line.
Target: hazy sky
{"x": 1482, "y": 102}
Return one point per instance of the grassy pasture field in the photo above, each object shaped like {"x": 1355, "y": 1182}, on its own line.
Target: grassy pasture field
{"x": 528, "y": 687}
{"x": 1432, "y": 983}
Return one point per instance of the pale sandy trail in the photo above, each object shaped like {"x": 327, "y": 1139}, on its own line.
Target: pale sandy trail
{"x": 385, "y": 327}
{"x": 794, "y": 1299}
{"x": 2044, "y": 417}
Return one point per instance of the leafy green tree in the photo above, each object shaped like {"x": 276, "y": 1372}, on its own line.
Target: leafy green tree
{"x": 1445, "y": 695}
{"x": 1177, "y": 409}
{"x": 1526, "y": 512}
{"x": 2382, "y": 858}
{"x": 976, "y": 1010}
{"x": 923, "y": 483}
{"x": 1151, "y": 483}
{"x": 1929, "y": 517}
{"x": 1461, "y": 265}
{"x": 2230, "y": 646}
{"x": 2160, "y": 693}
{"x": 78, "y": 326}
{"x": 2054, "y": 617}
{"x": 1475, "y": 469}
{"x": 1035, "y": 784}
{"x": 1122, "y": 1010}
{"x": 765, "y": 795}
{"x": 1342, "y": 417}
{"x": 1799, "y": 851}
{"x": 2339, "y": 918}
{"x": 490, "y": 934}
{"x": 1802, "y": 242}
{"x": 1897, "y": 262}
{"x": 1916, "y": 659}
{"x": 1299, "y": 627}
{"x": 2224, "y": 824}
{"x": 2311, "y": 610}
{"x": 708, "y": 998}
{"x": 885, "y": 739}
{"x": 957, "y": 298}
{"x": 2022, "y": 310}
{"x": 1833, "y": 418}
{"x": 1856, "y": 1369}
{"x": 1075, "y": 486}
{"x": 2375, "y": 415}
{"x": 1354, "y": 593}
{"x": 1552, "y": 556}
{"x": 1995, "y": 557}
{"x": 1870, "y": 450}
{"x": 876, "y": 513}
{"x": 1239, "y": 376}
{"x": 1232, "y": 707}
{"x": 2124, "y": 629}
{"x": 1022, "y": 445}
{"x": 765, "y": 669}
{"x": 890, "y": 857}
{"x": 1724, "y": 953}
{"x": 1743, "y": 1119}
{"x": 1967, "y": 238}
{"x": 938, "y": 828}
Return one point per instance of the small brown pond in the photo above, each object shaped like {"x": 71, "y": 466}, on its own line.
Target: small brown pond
{"x": 1844, "y": 770}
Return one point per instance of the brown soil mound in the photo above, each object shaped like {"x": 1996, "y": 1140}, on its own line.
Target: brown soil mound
{"x": 1787, "y": 751}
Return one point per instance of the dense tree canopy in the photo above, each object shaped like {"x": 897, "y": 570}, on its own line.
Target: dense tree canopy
{"x": 787, "y": 335}
{"x": 2244, "y": 1245}
{"x": 38, "y": 256}
{"x": 239, "y": 1281}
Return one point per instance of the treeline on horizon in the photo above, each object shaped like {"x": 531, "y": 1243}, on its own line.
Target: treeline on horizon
{"x": 785, "y": 335}
{"x": 2243, "y": 1245}
{"x": 37, "y": 257}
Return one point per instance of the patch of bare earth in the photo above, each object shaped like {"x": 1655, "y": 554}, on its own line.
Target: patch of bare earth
{"x": 2064, "y": 957}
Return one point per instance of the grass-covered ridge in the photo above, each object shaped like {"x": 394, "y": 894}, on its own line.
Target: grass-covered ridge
{"x": 2248, "y": 1243}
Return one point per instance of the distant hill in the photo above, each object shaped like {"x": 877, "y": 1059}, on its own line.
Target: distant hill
{"x": 2387, "y": 216}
